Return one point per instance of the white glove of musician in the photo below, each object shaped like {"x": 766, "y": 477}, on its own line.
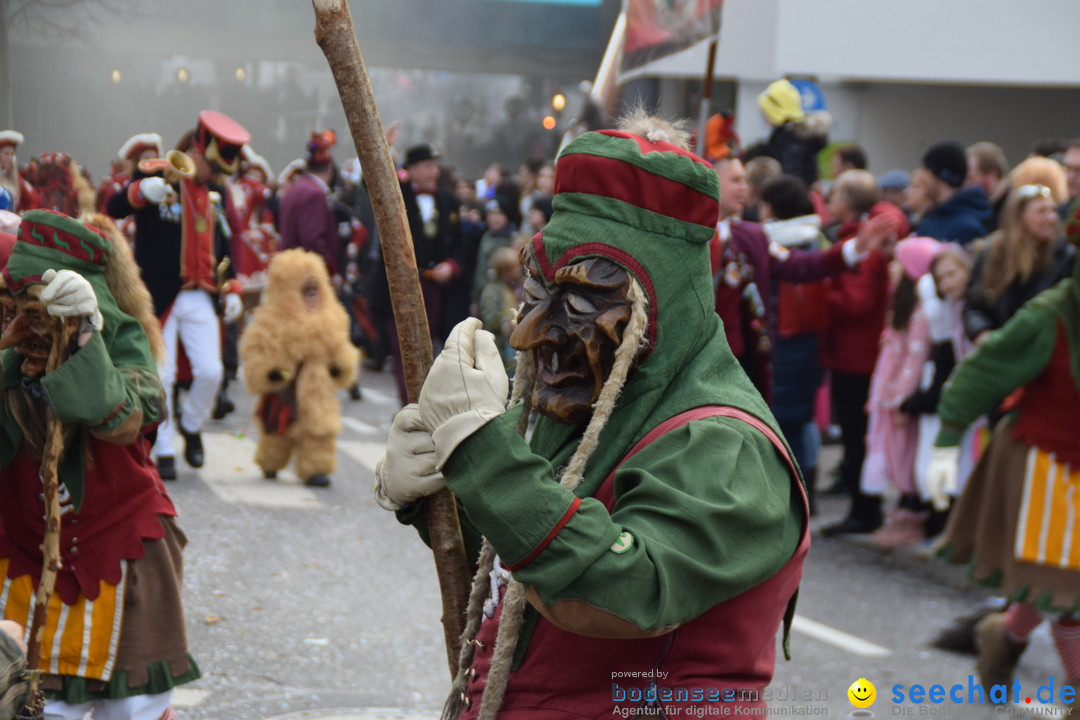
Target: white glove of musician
{"x": 234, "y": 308}
{"x": 941, "y": 475}
{"x": 407, "y": 471}
{"x": 154, "y": 189}
{"x": 69, "y": 294}
{"x": 465, "y": 388}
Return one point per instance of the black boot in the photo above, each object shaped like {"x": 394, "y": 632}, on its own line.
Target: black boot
{"x": 864, "y": 518}
{"x": 193, "y": 448}
{"x": 935, "y": 525}
{"x": 222, "y": 404}
{"x": 166, "y": 467}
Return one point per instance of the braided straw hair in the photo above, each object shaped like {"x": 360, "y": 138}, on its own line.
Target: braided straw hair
{"x": 513, "y": 610}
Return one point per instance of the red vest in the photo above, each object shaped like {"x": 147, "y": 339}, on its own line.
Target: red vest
{"x": 123, "y": 497}
{"x": 724, "y": 656}
{"x": 1050, "y": 407}
{"x": 198, "y": 262}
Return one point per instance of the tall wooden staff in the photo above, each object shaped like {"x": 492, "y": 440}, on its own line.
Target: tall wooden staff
{"x": 336, "y": 36}
{"x": 50, "y": 545}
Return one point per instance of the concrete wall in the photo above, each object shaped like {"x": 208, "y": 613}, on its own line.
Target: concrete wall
{"x": 899, "y": 76}
{"x": 996, "y": 42}
{"x": 895, "y": 122}
{"x": 999, "y": 42}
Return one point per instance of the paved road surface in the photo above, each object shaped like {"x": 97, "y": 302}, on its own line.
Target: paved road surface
{"x": 318, "y": 605}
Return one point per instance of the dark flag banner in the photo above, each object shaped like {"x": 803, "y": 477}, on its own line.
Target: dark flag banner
{"x": 655, "y": 28}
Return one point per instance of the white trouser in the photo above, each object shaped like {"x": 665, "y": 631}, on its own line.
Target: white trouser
{"x": 192, "y": 319}
{"x": 137, "y": 707}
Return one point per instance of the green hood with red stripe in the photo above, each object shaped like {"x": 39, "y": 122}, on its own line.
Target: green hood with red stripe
{"x": 652, "y": 208}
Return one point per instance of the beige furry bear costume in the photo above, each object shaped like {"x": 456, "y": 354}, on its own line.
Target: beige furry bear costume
{"x": 295, "y": 355}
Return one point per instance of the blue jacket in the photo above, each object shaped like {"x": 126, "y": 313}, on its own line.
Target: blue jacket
{"x": 961, "y": 219}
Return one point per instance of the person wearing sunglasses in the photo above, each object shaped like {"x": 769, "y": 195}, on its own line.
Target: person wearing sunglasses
{"x": 1027, "y": 255}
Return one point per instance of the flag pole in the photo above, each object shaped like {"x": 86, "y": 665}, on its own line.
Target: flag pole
{"x": 706, "y": 99}
{"x": 603, "y": 86}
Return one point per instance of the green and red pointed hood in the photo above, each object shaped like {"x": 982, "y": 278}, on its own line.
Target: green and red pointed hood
{"x": 652, "y": 208}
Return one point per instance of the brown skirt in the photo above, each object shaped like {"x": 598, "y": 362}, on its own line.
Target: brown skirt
{"x": 982, "y": 531}
{"x": 153, "y": 638}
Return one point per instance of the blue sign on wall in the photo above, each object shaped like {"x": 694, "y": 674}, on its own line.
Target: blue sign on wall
{"x": 811, "y": 95}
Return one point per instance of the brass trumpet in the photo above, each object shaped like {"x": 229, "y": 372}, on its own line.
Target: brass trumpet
{"x": 180, "y": 167}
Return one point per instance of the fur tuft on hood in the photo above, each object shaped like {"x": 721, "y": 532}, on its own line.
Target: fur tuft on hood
{"x": 638, "y": 121}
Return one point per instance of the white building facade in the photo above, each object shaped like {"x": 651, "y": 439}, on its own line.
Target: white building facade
{"x": 898, "y": 76}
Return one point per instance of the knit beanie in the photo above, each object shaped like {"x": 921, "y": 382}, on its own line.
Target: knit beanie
{"x": 947, "y": 161}
{"x": 780, "y": 103}
{"x": 915, "y": 255}
{"x": 49, "y": 239}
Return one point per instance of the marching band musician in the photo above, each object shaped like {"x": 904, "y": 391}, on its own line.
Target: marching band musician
{"x": 178, "y": 245}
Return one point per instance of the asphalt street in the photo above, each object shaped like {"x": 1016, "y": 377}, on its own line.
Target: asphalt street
{"x": 316, "y": 604}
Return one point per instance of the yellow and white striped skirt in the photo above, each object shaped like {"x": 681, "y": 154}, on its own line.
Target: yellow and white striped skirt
{"x": 1048, "y": 525}
{"x": 80, "y": 639}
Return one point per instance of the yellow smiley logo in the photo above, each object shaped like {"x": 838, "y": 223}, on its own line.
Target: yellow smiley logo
{"x": 862, "y": 693}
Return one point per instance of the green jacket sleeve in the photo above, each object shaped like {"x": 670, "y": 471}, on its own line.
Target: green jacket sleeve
{"x": 1011, "y": 357}
{"x": 702, "y": 514}
{"x": 101, "y": 387}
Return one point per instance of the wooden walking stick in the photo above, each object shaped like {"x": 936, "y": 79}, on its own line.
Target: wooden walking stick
{"x": 335, "y": 34}
{"x": 63, "y": 331}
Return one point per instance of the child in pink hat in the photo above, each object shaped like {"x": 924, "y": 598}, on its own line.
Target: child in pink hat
{"x": 892, "y": 435}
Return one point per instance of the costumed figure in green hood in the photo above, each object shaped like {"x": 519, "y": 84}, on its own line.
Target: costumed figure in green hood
{"x": 644, "y": 544}
{"x": 1015, "y": 522}
{"x": 114, "y": 638}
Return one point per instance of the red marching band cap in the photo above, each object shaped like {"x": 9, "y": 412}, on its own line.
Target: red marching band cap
{"x": 137, "y": 144}
{"x": 219, "y": 138}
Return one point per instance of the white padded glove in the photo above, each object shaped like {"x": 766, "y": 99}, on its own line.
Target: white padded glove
{"x": 465, "y": 388}
{"x": 941, "y": 475}
{"x": 234, "y": 308}
{"x": 154, "y": 189}
{"x": 407, "y": 471}
{"x": 69, "y": 294}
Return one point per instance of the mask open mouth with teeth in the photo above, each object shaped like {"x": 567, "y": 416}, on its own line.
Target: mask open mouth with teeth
{"x": 573, "y": 327}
